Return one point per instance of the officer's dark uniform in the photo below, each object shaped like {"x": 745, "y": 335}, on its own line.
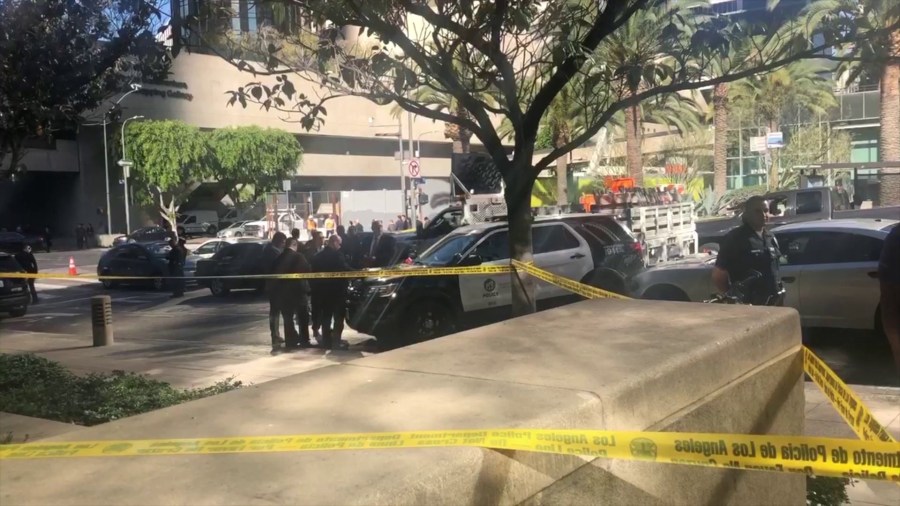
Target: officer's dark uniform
{"x": 742, "y": 251}
{"x": 332, "y": 295}
{"x": 176, "y": 259}
{"x": 26, "y": 259}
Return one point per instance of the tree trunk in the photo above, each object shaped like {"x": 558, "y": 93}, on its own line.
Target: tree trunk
{"x": 518, "y": 203}
{"x": 633, "y": 141}
{"x": 562, "y": 181}
{"x": 720, "y": 141}
{"x": 889, "y": 144}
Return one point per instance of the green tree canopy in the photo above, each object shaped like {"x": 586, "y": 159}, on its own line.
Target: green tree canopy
{"x": 168, "y": 155}
{"x": 253, "y": 157}
{"x": 60, "y": 58}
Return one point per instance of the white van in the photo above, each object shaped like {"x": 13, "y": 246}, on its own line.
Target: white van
{"x": 197, "y": 222}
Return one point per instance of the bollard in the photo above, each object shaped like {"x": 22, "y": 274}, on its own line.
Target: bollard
{"x": 101, "y": 320}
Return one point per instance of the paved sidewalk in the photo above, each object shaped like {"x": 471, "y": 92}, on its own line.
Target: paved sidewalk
{"x": 182, "y": 364}
{"x": 823, "y": 420}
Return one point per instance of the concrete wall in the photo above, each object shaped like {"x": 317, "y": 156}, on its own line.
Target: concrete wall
{"x": 196, "y": 94}
{"x": 597, "y": 364}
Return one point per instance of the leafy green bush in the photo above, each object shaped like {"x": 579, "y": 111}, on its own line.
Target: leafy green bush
{"x": 35, "y": 386}
{"x": 826, "y": 491}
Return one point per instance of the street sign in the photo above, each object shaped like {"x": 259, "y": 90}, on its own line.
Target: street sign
{"x": 286, "y": 185}
{"x": 757, "y": 144}
{"x": 413, "y": 168}
{"x": 775, "y": 140}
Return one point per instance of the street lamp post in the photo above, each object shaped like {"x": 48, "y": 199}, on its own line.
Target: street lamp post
{"x": 134, "y": 87}
{"x": 125, "y": 172}
{"x": 399, "y": 134}
{"x": 419, "y": 141}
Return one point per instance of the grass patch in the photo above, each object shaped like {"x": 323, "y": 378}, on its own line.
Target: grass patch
{"x": 34, "y": 386}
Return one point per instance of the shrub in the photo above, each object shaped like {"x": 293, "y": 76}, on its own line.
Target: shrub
{"x": 35, "y": 386}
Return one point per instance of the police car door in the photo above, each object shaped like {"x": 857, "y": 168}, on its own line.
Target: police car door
{"x": 559, "y": 250}
{"x": 488, "y": 296}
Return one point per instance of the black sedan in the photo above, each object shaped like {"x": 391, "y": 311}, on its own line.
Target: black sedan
{"x": 14, "y": 294}
{"x": 12, "y": 242}
{"x": 147, "y": 260}
{"x": 144, "y": 235}
{"x": 243, "y": 258}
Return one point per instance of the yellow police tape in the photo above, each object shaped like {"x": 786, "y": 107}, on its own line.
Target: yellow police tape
{"x": 851, "y": 408}
{"x": 413, "y": 271}
{"x": 582, "y": 289}
{"x": 793, "y": 454}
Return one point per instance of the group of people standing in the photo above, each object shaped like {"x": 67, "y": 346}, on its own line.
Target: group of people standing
{"x": 304, "y": 304}
{"x": 84, "y": 235}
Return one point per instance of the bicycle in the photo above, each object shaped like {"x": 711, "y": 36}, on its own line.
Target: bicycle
{"x": 736, "y": 295}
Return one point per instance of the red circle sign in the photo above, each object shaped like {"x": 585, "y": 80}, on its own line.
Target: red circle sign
{"x": 414, "y": 168}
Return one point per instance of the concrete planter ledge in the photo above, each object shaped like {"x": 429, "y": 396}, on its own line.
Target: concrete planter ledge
{"x": 597, "y": 364}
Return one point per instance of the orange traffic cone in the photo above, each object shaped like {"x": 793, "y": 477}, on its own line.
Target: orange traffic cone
{"x": 72, "y": 270}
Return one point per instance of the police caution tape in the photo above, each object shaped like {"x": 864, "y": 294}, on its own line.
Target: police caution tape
{"x": 844, "y": 400}
{"x": 369, "y": 273}
{"x": 791, "y": 454}
{"x": 573, "y": 286}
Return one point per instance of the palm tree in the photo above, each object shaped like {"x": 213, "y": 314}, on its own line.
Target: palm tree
{"x": 636, "y": 52}
{"x": 877, "y": 63}
{"x": 799, "y": 86}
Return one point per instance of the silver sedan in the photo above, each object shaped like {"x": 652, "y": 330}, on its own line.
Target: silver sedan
{"x": 829, "y": 268}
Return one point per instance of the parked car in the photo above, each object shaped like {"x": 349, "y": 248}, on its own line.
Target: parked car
{"x": 438, "y": 225}
{"x": 197, "y": 222}
{"x": 590, "y": 248}
{"x": 234, "y": 230}
{"x": 135, "y": 259}
{"x": 829, "y": 268}
{"x": 243, "y": 258}
{"x": 12, "y": 242}
{"x": 143, "y": 235}
{"x": 792, "y": 206}
{"x": 14, "y": 294}
{"x": 202, "y": 252}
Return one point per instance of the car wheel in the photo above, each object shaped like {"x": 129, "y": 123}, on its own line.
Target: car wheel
{"x": 238, "y": 234}
{"x": 158, "y": 284}
{"x": 666, "y": 292}
{"x": 605, "y": 280}
{"x": 428, "y": 320}
{"x": 218, "y": 288}
{"x": 211, "y": 230}
{"x": 16, "y": 313}
{"x": 108, "y": 283}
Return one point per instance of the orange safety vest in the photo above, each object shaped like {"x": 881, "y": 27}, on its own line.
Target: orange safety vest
{"x": 310, "y": 224}
{"x": 588, "y": 201}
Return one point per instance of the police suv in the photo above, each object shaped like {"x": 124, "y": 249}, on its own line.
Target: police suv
{"x": 591, "y": 248}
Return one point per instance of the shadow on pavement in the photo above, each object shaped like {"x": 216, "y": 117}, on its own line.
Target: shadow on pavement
{"x": 859, "y": 357}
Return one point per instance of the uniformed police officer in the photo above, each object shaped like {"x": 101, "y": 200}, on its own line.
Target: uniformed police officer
{"x": 747, "y": 248}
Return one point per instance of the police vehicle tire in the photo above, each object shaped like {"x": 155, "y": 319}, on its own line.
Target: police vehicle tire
{"x": 665, "y": 292}
{"x": 17, "y": 313}
{"x": 427, "y": 320}
{"x": 108, "y": 283}
{"x": 605, "y": 279}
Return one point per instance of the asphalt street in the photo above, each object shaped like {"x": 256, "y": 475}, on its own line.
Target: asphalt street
{"x": 242, "y": 319}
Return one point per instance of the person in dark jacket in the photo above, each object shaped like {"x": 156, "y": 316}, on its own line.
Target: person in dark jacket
{"x": 269, "y": 254}
{"x": 379, "y": 252}
{"x": 292, "y": 294}
{"x": 26, "y": 259}
{"x": 331, "y": 293}
{"x": 176, "y": 257}
{"x": 313, "y": 246}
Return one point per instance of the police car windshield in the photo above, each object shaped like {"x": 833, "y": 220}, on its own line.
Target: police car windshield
{"x": 447, "y": 250}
